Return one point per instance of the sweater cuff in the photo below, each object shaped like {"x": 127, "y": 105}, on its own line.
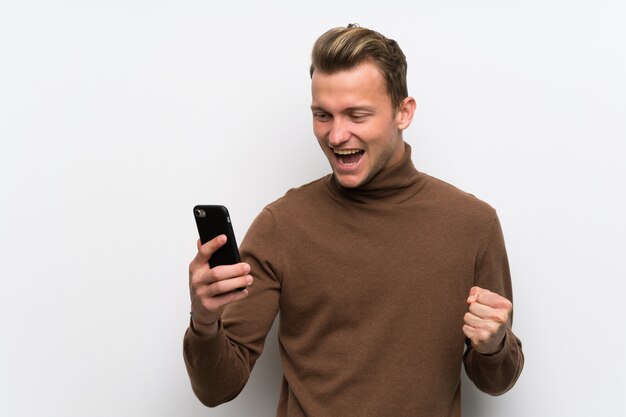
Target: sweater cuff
{"x": 205, "y": 354}
{"x": 193, "y": 331}
{"x": 505, "y": 349}
{"x": 198, "y": 346}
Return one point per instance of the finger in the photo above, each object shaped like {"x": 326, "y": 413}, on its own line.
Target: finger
{"x": 208, "y": 249}
{"x": 494, "y": 300}
{"x": 220, "y": 288}
{"x": 206, "y": 276}
{"x": 474, "y": 321}
{"x": 219, "y": 302}
{"x": 482, "y": 311}
{"x": 195, "y": 262}
{"x": 208, "y": 309}
{"x": 496, "y": 315}
{"x": 469, "y": 331}
{"x": 476, "y": 334}
{"x": 486, "y": 327}
{"x": 474, "y": 291}
{"x": 223, "y": 272}
{"x": 208, "y": 294}
{"x": 480, "y": 331}
{"x": 478, "y": 337}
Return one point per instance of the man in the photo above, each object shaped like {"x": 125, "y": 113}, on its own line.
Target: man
{"x": 386, "y": 279}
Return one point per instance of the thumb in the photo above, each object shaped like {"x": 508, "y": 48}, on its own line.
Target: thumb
{"x": 208, "y": 249}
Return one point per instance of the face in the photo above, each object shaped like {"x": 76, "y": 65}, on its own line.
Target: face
{"x": 356, "y": 124}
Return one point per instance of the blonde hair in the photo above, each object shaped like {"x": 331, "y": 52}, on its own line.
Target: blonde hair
{"x": 345, "y": 48}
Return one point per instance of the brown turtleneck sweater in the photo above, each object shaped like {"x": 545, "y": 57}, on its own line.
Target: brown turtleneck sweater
{"x": 371, "y": 286}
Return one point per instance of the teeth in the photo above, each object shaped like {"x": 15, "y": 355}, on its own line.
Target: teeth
{"x": 346, "y": 151}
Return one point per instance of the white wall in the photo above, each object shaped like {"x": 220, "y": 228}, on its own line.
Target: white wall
{"x": 116, "y": 117}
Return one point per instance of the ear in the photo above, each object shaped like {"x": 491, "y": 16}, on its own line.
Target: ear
{"x": 405, "y": 112}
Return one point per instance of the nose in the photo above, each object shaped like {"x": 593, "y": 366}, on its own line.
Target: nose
{"x": 339, "y": 132}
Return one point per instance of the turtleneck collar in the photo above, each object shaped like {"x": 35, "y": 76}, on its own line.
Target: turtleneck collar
{"x": 392, "y": 185}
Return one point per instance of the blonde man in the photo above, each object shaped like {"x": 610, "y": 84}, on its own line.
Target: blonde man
{"x": 387, "y": 279}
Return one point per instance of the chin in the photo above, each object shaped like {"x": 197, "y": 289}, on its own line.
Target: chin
{"x": 349, "y": 181}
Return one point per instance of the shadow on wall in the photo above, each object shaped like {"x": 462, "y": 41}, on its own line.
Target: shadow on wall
{"x": 474, "y": 402}
{"x": 260, "y": 396}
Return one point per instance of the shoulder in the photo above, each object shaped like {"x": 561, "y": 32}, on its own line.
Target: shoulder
{"x": 455, "y": 202}
{"x": 288, "y": 213}
{"x": 300, "y": 199}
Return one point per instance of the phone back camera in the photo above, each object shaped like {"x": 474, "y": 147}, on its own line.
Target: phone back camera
{"x": 200, "y": 213}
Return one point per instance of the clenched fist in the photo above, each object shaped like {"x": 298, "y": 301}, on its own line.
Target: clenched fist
{"x": 487, "y": 320}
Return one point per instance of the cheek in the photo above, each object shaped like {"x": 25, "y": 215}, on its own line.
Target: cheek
{"x": 375, "y": 135}
{"x": 319, "y": 130}
{"x": 388, "y": 133}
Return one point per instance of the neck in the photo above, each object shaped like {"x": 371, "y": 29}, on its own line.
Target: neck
{"x": 393, "y": 184}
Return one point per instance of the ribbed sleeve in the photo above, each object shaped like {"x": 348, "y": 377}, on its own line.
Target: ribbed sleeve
{"x": 219, "y": 367}
{"x": 496, "y": 373}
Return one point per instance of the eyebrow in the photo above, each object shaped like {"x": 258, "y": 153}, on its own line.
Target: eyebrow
{"x": 367, "y": 109}
{"x": 352, "y": 109}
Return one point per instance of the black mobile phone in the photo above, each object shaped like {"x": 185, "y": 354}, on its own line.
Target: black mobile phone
{"x": 213, "y": 221}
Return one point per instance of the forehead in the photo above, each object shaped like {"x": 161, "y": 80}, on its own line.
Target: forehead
{"x": 361, "y": 85}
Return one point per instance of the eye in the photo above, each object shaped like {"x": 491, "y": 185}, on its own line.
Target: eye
{"x": 358, "y": 117}
{"x": 322, "y": 116}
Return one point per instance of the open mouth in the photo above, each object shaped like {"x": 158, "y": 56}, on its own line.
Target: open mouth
{"x": 348, "y": 156}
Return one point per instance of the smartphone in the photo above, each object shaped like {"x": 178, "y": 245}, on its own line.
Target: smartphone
{"x": 213, "y": 221}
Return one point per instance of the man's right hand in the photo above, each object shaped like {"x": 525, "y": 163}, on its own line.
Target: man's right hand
{"x": 211, "y": 289}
